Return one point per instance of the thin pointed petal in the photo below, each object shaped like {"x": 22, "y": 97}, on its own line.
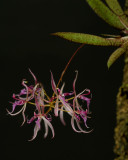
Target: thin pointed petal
{"x": 81, "y": 128}
{"x": 53, "y": 84}
{"x": 23, "y": 83}
{"x": 67, "y": 94}
{"x": 50, "y": 125}
{"x": 61, "y": 90}
{"x": 73, "y": 125}
{"x": 46, "y": 129}
{"x": 66, "y": 106}
{"x": 36, "y": 129}
{"x": 74, "y": 83}
{"x": 35, "y": 79}
{"x": 23, "y": 114}
{"x": 56, "y": 108}
{"x": 85, "y": 99}
{"x": 62, "y": 116}
{"x": 13, "y": 114}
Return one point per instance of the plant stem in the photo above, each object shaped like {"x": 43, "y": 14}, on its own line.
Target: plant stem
{"x": 69, "y": 63}
{"x": 121, "y": 129}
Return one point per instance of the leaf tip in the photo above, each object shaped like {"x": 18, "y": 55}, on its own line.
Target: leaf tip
{"x": 109, "y": 65}
{"x": 56, "y": 34}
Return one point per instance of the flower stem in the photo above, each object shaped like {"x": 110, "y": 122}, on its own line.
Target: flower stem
{"x": 68, "y": 64}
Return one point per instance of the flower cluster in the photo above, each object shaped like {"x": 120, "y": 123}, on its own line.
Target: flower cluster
{"x": 60, "y": 103}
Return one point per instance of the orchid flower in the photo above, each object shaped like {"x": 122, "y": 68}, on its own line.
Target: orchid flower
{"x": 77, "y": 107}
{"x": 29, "y": 91}
{"x": 38, "y": 125}
{"x": 59, "y": 103}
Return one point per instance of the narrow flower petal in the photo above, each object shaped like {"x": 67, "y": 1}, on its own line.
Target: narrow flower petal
{"x": 67, "y": 94}
{"x": 62, "y": 116}
{"x": 46, "y": 130}
{"x": 23, "y": 114}
{"x": 35, "y": 79}
{"x": 85, "y": 99}
{"x": 66, "y": 106}
{"x": 13, "y": 114}
{"x": 56, "y": 108}
{"x": 73, "y": 125}
{"x": 36, "y": 129}
{"x": 31, "y": 120}
{"x": 22, "y": 92}
{"x": 53, "y": 84}
{"x": 37, "y": 104}
{"x": 74, "y": 83}
{"x": 49, "y": 124}
{"x": 81, "y": 128}
{"x": 17, "y": 103}
{"x": 61, "y": 90}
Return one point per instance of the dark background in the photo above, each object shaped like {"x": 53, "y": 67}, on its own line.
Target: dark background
{"x": 26, "y": 43}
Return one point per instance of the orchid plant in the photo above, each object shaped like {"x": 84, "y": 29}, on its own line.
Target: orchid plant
{"x": 69, "y": 102}
{"x": 112, "y": 13}
{"x": 61, "y": 102}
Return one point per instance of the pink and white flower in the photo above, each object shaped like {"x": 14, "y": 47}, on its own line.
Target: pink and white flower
{"x": 59, "y": 103}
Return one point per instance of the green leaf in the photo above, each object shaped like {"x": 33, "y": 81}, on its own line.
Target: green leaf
{"x": 116, "y": 8}
{"x": 105, "y": 13}
{"x": 126, "y": 7}
{"x": 116, "y": 54}
{"x": 90, "y": 39}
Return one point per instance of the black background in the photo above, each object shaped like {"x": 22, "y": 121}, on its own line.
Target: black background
{"x": 26, "y": 43}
